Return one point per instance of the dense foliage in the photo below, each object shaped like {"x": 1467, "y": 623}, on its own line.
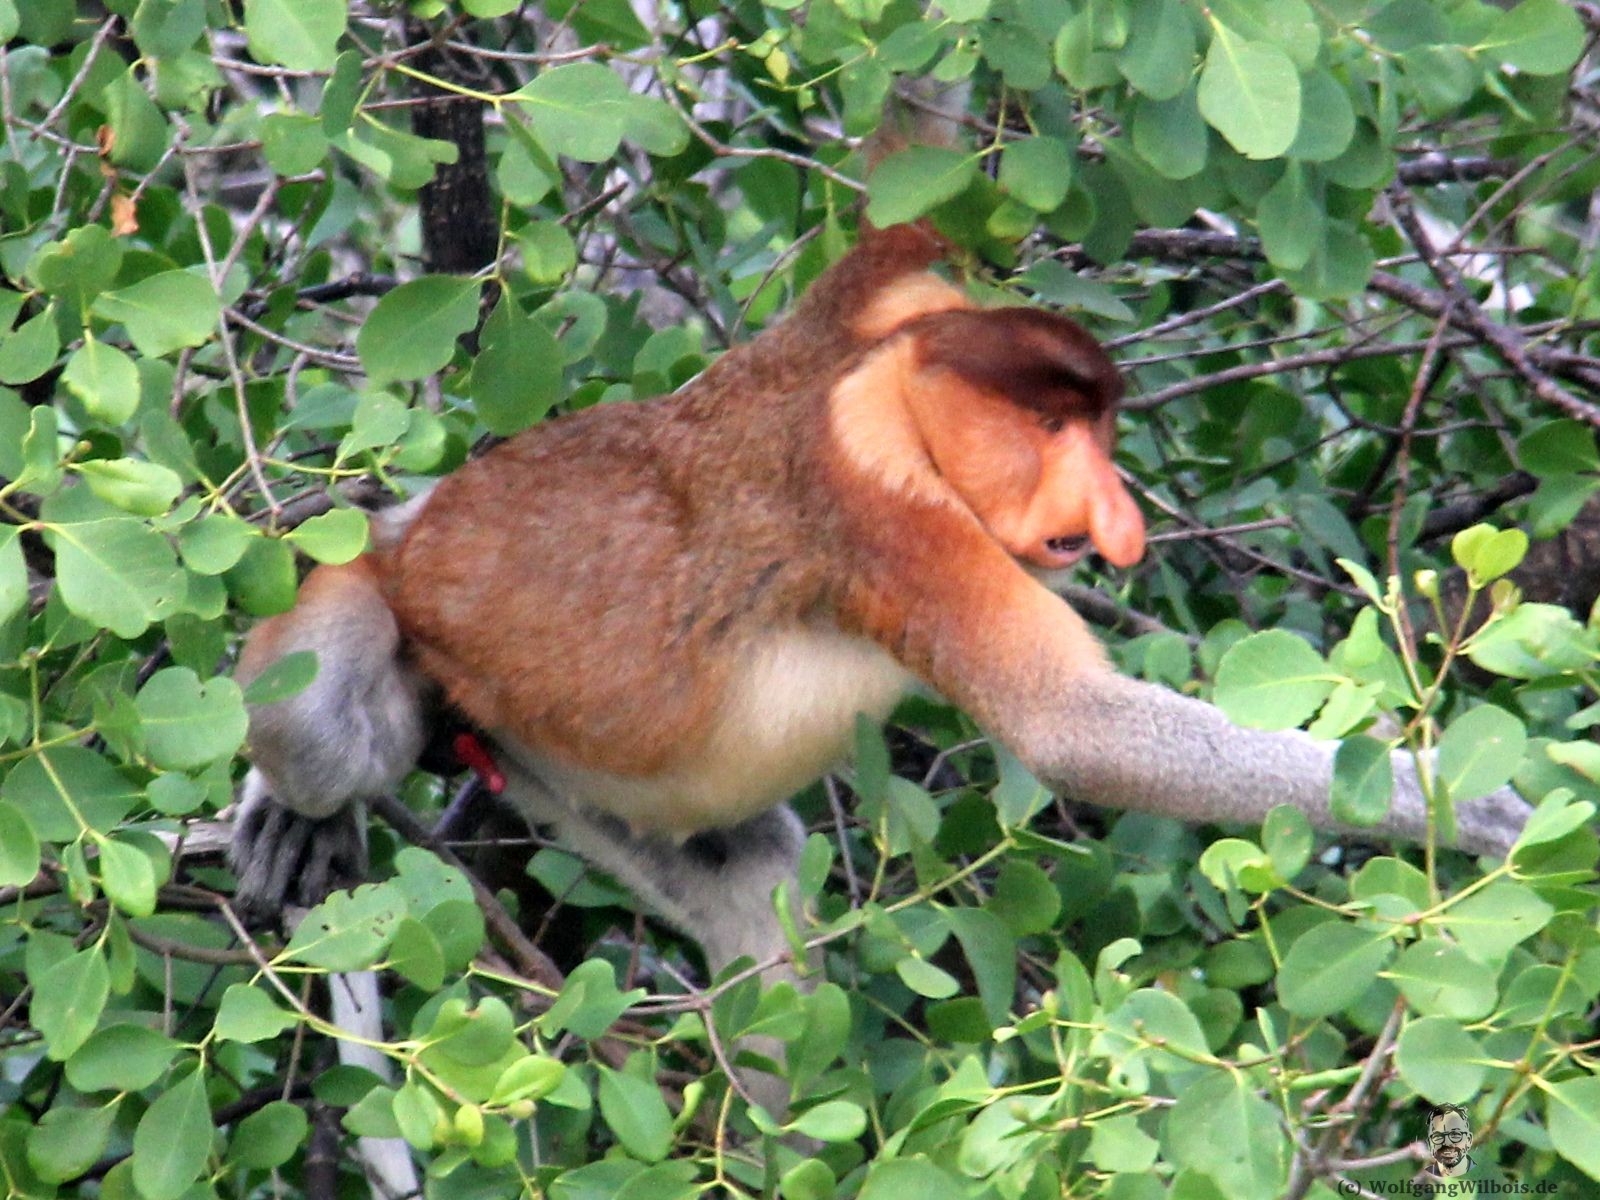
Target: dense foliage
{"x": 1347, "y": 252}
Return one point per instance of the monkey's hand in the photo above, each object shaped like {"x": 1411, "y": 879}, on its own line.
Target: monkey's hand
{"x": 1121, "y": 743}
{"x": 283, "y": 858}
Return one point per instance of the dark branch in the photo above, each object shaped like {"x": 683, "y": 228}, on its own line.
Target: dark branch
{"x": 1469, "y": 510}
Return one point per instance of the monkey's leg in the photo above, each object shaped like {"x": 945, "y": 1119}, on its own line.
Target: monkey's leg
{"x": 716, "y": 886}
{"x": 354, "y": 731}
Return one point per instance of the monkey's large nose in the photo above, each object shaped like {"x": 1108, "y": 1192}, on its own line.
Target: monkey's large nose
{"x": 1116, "y": 523}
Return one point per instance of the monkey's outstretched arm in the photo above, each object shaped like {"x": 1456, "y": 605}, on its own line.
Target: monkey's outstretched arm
{"x": 1126, "y": 744}
{"x": 1033, "y": 676}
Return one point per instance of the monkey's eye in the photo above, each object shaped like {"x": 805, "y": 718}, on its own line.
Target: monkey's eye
{"x": 1052, "y": 423}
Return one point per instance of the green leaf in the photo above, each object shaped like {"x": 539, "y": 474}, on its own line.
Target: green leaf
{"x": 1078, "y": 58}
{"x": 19, "y": 848}
{"x": 1250, "y": 94}
{"x": 175, "y": 794}
{"x": 1443, "y": 76}
{"x": 415, "y": 953}
{"x": 412, "y": 331}
{"x": 1572, "y": 1113}
{"x": 128, "y": 878}
{"x": 1271, "y": 680}
{"x": 348, "y": 931}
{"x": 899, "y": 1178}
{"x": 1153, "y": 1023}
{"x": 1118, "y": 1144}
{"x": 62, "y": 789}
{"x": 912, "y": 182}
{"x": 1290, "y": 220}
{"x": 188, "y": 724}
{"x": 166, "y": 30}
{"x": 1489, "y": 923}
{"x": 1024, "y": 898}
{"x": 302, "y": 35}
{"x": 163, "y": 312}
{"x": 69, "y": 1140}
{"x": 1480, "y": 751}
{"x": 827, "y": 1032}
{"x": 1286, "y": 837}
{"x": 104, "y": 379}
{"x": 144, "y": 488}
{"x": 1159, "y": 58}
{"x": 475, "y": 1036}
{"x": 636, "y": 1113}
{"x": 293, "y": 143}
{"x": 517, "y": 376}
{"x": 29, "y": 350}
{"x": 173, "y": 1140}
{"x": 1235, "y": 862}
{"x": 120, "y": 1058}
{"x": 1561, "y": 447}
{"x": 1556, "y": 817}
{"x": 457, "y": 925}
{"x": 1488, "y": 553}
{"x": 1441, "y": 1060}
{"x": 13, "y": 573}
{"x": 1363, "y": 781}
{"x": 268, "y": 1137}
{"x": 248, "y": 1014}
{"x": 925, "y": 979}
{"x": 334, "y": 537}
{"x": 1441, "y": 980}
{"x": 1220, "y": 1127}
{"x": 991, "y": 952}
{"x": 1532, "y": 641}
{"x": 138, "y": 129}
{"x": 1037, "y": 171}
{"x": 1327, "y": 119}
{"x": 68, "y": 999}
{"x": 215, "y": 543}
{"x": 548, "y": 251}
{"x": 1171, "y": 135}
{"x": 1539, "y": 37}
{"x": 579, "y": 110}
{"x": 1017, "y": 52}
{"x": 833, "y": 1121}
{"x": 79, "y": 267}
{"x": 1328, "y": 968}
{"x": 810, "y": 1179}
{"x": 530, "y": 1078}
{"x": 264, "y": 579}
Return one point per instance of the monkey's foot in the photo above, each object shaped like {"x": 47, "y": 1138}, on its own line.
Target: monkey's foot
{"x": 282, "y": 858}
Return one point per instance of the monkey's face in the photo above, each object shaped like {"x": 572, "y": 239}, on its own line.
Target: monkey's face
{"x": 1043, "y": 485}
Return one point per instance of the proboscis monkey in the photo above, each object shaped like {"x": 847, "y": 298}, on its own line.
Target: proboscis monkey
{"x": 665, "y": 616}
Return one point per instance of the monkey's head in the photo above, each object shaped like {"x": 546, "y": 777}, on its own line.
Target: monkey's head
{"x": 1018, "y": 410}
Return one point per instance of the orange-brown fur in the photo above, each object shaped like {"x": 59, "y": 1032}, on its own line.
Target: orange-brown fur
{"x": 676, "y": 608}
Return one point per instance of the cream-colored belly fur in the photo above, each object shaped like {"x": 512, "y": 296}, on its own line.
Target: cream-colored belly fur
{"x": 789, "y": 715}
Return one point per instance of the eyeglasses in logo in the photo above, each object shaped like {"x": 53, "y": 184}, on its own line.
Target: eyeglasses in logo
{"x": 1449, "y": 1140}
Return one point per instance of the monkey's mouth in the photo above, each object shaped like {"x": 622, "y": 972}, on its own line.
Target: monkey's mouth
{"x": 1064, "y": 551}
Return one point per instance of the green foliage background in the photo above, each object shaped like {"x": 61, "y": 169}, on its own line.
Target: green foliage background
{"x": 1346, "y": 250}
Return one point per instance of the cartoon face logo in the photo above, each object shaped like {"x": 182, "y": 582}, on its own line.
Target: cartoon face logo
{"x": 1449, "y": 1140}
